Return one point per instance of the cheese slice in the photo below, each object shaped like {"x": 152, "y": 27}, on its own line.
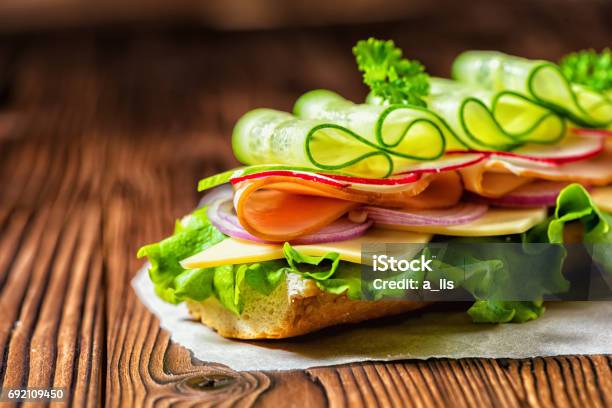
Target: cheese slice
{"x": 496, "y": 221}
{"x": 602, "y": 196}
{"x": 233, "y": 251}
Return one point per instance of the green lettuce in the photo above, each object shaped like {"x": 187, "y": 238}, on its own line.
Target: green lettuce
{"x": 502, "y": 273}
{"x": 490, "y": 279}
{"x": 195, "y": 233}
{"x": 173, "y": 284}
{"x": 493, "y": 311}
{"x": 574, "y": 204}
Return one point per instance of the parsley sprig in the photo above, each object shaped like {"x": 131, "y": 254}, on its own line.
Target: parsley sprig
{"x": 391, "y": 78}
{"x": 589, "y": 68}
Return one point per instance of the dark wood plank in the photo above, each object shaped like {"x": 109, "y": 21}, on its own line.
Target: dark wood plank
{"x": 114, "y": 131}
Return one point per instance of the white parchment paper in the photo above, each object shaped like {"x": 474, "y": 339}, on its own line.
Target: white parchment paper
{"x": 565, "y": 328}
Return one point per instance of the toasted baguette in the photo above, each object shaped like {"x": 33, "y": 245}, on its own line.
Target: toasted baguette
{"x": 297, "y": 306}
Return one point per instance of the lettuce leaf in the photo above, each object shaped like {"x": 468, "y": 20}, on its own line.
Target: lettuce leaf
{"x": 492, "y": 311}
{"x": 495, "y": 274}
{"x": 489, "y": 278}
{"x": 173, "y": 284}
{"x": 329, "y": 274}
{"x": 316, "y": 267}
{"x": 195, "y": 233}
{"x": 574, "y": 204}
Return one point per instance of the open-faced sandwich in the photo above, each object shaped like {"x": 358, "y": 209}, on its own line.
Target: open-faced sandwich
{"x": 508, "y": 150}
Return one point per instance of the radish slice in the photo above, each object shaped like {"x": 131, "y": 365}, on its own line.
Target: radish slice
{"x": 574, "y": 148}
{"x": 320, "y": 178}
{"x": 592, "y": 132}
{"x": 391, "y": 181}
{"x": 340, "y": 181}
{"x": 222, "y": 216}
{"x": 462, "y": 213}
{"x": 410, "y": 175}
{"x": 335, "y": 180}
{"x": 536, "y": 194}
{"x": 446, "y": 163}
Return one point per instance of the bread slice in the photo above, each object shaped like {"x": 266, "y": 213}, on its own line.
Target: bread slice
{"x": 297, "y": 306}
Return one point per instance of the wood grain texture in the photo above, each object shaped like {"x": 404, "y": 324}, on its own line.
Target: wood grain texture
{"x": 110, "y": 134}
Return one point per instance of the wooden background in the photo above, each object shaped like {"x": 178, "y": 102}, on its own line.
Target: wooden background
{"x": 103, "y": 136}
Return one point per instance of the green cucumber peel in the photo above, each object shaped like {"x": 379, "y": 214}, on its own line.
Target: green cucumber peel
{"x": 541, "y": 81}
{"x": 341, "y": 136}
{"x": 494, "y": 120}
{"x": 217, "y": 179}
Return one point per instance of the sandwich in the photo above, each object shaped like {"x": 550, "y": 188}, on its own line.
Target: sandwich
{"x": 508, "y": 152}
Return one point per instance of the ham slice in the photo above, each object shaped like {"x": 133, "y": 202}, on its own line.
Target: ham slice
{"x": 282, "y": 208}
{"x": 496, "y": 177}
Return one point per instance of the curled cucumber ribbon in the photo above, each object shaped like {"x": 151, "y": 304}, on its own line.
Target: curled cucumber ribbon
{"x": 540, "y": 81}
{"x": 331, "y": 133}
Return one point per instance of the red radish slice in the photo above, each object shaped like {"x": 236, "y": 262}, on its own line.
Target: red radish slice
{"x": 447, "y": 163}
{"x": 391, "y": 181}
{"x": 462, "y": 213}
{"x": 536, "y": 194}
{"x": 574, "y": 148}
{"x": 334, "y": 179}
{"x": 409, "y": 175}
{"x": 592, "y": 132}
{"x": 222, "y": 216}
{"x": 405, "y": 177}
{"x": 320, "y": 178}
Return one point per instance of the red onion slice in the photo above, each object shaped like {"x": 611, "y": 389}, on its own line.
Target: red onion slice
{"x": 341, "y": 230}
{"x": 535, "y": 194}
{"x": 462, "y": 213}
{"x": 223, "y": 192}
{"x": 221, "y": 215}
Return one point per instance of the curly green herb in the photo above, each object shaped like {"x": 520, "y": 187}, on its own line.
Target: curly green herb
{"x": 589, "y": 68}
{"x": 390, "y": 77}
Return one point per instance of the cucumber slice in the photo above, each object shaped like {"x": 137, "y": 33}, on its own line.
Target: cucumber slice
{"x": 541, "y": 81}
{"x": 500, "y": 121}
{"x": 332, "y": 134}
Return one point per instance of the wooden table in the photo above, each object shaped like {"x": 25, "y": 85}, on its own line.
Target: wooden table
{"x": 103, "y": 139}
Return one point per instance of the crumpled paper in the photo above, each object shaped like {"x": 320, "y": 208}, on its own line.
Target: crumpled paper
{"x": 565, "y": 328}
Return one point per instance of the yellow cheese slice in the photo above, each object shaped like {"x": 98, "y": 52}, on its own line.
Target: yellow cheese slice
{"x": 602, "y": 196}
{"x": 496, "y": 221}
{"x": 233, "y": 251}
